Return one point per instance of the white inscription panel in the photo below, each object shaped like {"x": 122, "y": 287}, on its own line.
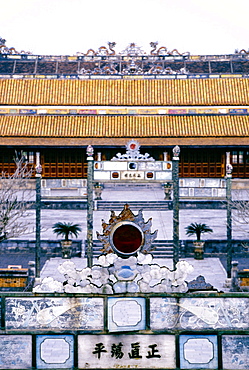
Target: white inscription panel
{"x": 163, "y": 175}
{"x": 54, "y": 351}
{"x": 126, "y": 351}
{"x": 129, "y": 175}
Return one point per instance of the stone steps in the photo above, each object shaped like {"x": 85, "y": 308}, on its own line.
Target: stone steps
{"x": 101, "y": 205}
{"x": 161, "y": 249}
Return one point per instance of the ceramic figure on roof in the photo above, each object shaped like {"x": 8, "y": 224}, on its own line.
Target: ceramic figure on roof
{"x": 5, "y": 50}
{"x": 132, "y": 50}
{"x": 164, "y": 51}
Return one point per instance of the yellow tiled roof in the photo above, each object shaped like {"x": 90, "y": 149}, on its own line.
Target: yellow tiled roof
{"x": 124, "y": 126}
{"x": 175, "y": 92}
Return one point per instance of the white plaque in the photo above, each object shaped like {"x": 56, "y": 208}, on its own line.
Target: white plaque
{"x": 126, "y": 314}
{"x": 153, "y": 166}
{"x": 115, "y": 165}
{"x": 102, "y": 175}
{"x": 54, "y": 351}
{"x": 121, "y": 313}
{"x": 126, "y": 351}
{"x": 132, "y": 175}
{"x": 198, "y": 351}
{"x": 166, "y": 175}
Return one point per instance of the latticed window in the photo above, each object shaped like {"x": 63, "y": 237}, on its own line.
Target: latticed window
{"x": 238, "y": 157}
{"x": 64, "y": 163}
{"x": 247, "y": 157}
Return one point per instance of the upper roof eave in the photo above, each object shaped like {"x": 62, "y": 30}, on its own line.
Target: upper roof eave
{"x": 175, "y": 92}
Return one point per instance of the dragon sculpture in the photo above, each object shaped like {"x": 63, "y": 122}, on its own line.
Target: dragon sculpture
{"x": 164, "y": 51}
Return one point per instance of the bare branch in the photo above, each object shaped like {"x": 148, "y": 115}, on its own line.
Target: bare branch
{"x": 240, "y": 206}
{"x": 15, "y": 194}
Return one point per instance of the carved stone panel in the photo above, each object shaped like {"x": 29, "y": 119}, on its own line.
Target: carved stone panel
{"x": 235, "y": 352}
{"x": 199, "y": 313}
{"x": 15, "y": 352}
{"x": 54, "y": 313}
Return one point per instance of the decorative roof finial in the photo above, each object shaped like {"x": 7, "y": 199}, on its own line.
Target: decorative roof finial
{"x": 176, "y": 152}
{"x": 89, "y": 151}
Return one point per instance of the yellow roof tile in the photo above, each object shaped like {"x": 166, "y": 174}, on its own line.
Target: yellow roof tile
{"x": 124, "y": 126}
{"x": 229, "y": 91}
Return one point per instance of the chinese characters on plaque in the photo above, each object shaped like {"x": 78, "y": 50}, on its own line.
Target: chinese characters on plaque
{"x": 122, "y": 351}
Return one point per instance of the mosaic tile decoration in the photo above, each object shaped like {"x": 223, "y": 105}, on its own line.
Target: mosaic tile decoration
{"x": 199, "y": 313}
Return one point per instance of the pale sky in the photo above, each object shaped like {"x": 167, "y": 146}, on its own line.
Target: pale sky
{"x": 70, "y": 26}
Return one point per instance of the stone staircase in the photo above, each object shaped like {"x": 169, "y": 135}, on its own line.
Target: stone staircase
{"x": 161, "y": 249}
{"x": 101, "y": 205}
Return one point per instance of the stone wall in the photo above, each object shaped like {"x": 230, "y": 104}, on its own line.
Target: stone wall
{"x": 173, "y": 331}
{"x": 50, "y": 247}
{"x": 53, "y": 248}
{"x": 214, "y": 248}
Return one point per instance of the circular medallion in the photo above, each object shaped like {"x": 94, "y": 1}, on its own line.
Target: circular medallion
{"x": 126, "y": 238}
{"x": 133, "y": 146}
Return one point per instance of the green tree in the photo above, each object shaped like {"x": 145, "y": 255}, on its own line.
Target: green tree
{"x": 197, "y": 229}
{"x": 66, "y": 229}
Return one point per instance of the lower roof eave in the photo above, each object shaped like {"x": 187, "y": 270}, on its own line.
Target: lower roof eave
{"x": 145, "y": 141}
